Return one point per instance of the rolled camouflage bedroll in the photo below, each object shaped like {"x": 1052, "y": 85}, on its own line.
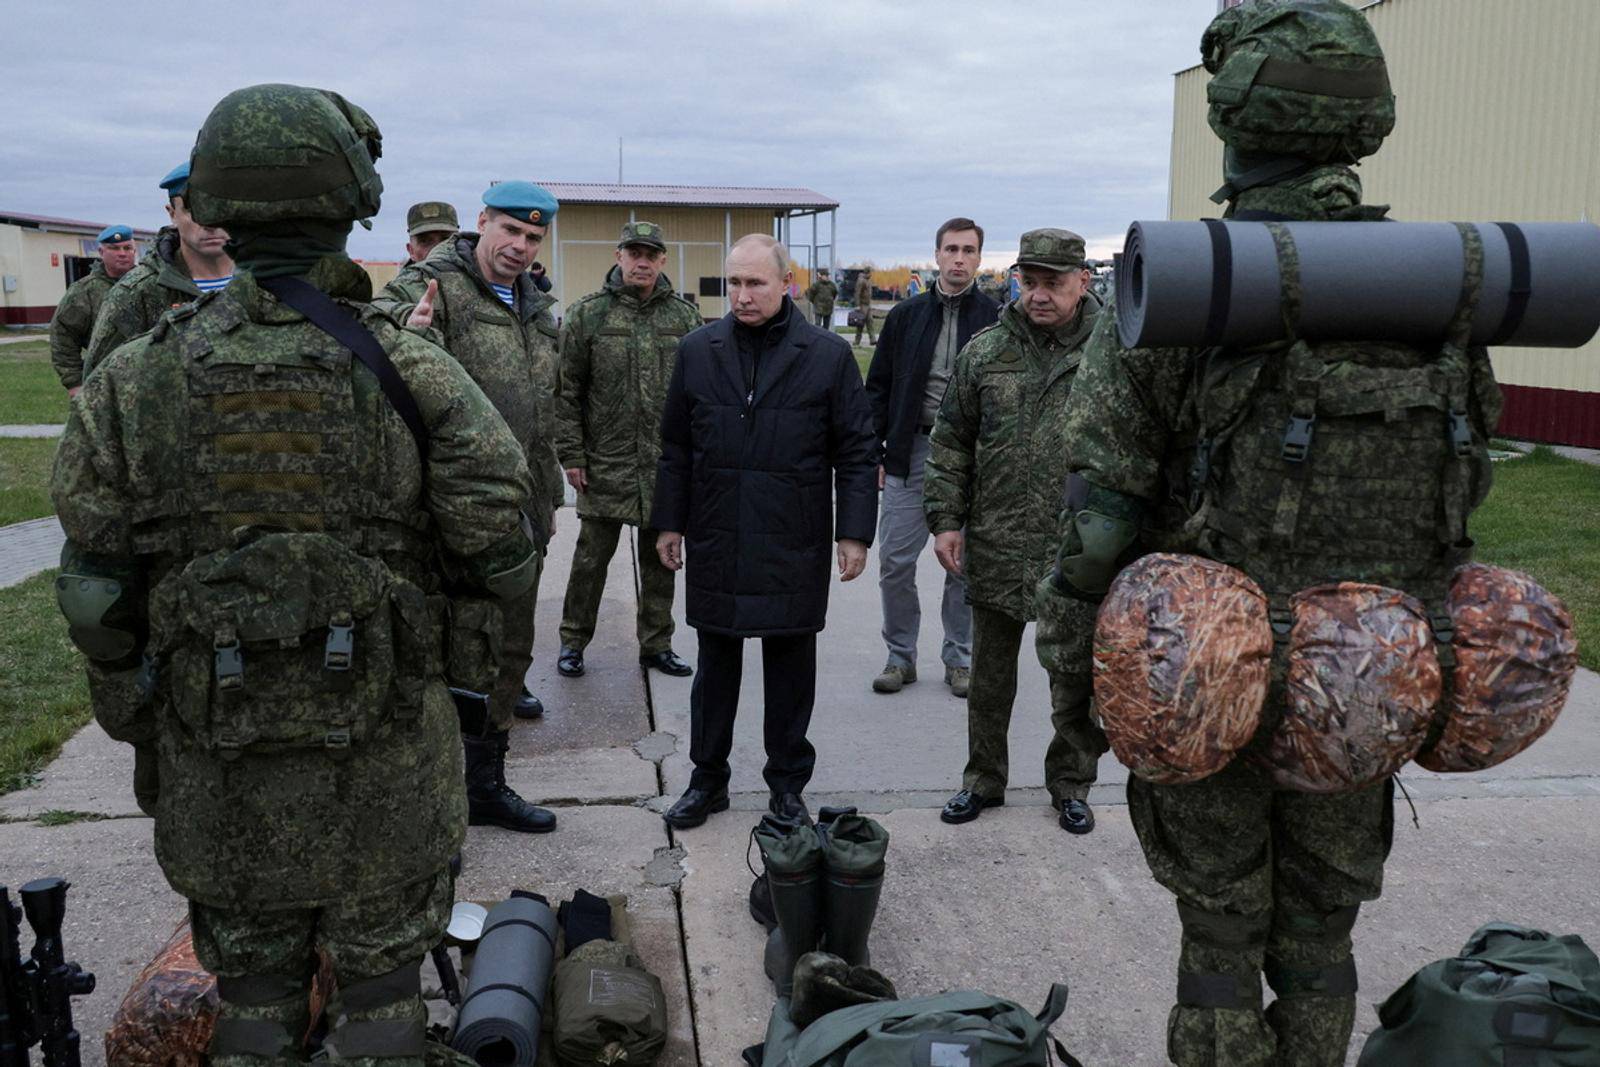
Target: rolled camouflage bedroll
{"x": 504, "y": 1004}
{"x": 1199, "y": 284}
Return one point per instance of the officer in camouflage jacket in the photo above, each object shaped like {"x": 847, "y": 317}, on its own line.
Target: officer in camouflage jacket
{"x": 996, "y": 469}
{"x": 618, "y": 348}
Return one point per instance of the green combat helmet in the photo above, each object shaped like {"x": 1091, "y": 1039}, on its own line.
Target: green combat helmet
{"x": 1299, "y": 78}
{"x": 271, "y": 153}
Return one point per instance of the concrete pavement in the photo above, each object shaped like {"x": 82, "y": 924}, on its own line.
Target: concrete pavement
{"x": 1007, "y": 904}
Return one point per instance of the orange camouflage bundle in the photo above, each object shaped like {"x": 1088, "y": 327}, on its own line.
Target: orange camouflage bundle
{"x": 1361, "y": 687}
{"x": 1182, "y": 653}
{"x": 167, "y": 1015}
{"x": 1515, "y": 657}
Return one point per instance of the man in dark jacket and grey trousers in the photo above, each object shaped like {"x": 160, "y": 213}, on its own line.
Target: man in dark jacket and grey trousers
{"x": 910, "y": 369}
{"x": 768, "y": 455}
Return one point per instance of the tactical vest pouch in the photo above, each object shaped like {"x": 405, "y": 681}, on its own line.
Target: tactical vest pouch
{"x": 1361, "y": 685}
{"x": 1182, "y": 657}
{"x": 472, "y": 643}
{"x": 1515, "y": 654}
{"x": 291, "y": 641}
{"x": 1512, "y": 996}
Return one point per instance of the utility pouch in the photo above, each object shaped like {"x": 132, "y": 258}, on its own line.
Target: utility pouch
{"x": 290, "y": 641}
{"x": 472, "y": 643}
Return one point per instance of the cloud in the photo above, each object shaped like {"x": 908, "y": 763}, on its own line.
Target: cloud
{"x": 1057, "y": 112}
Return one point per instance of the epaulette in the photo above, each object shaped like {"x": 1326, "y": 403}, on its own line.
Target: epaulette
{"x": 172, "y": 316}
{"x": 691, "y": 301}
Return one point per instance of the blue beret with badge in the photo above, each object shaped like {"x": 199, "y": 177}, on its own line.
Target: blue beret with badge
{"x": 177, "y": 180}
{"x": 115, "y": 235}
{"x": 522, "y": 200}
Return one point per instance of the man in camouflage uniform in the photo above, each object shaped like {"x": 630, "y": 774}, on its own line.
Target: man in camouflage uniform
{"x": 427, "y": 224}
{"x": 822, "y": 293}
{"x": 864, "y": 305}
{"x": 247, "y": 513}
{"x": 618, "y": 348}
{"x": 166, "y": 278}
{"x": 72, "y": 325}
{"x": 995, "y": 470}
{"x": 1268, "y": 882}
{"x": 475, "y": 292}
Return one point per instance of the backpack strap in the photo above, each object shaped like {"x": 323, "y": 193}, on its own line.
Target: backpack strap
{"x": 1054, "y": 1005}
{"x": 321, "y": 311}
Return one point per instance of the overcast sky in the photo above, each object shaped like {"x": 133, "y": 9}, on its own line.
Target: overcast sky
{"x": 1055, "y": 112}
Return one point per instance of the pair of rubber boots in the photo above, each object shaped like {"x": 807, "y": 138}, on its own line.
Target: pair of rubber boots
{"x": 822, "y": 885}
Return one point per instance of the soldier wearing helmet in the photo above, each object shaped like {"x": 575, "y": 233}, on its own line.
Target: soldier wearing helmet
{"x": 273, "y": 502}
{"x": 1205, "y": 452}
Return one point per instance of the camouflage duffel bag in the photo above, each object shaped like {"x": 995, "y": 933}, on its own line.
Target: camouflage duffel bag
{"x": 1182, "y": 655}
{"x": 290, "y": 641}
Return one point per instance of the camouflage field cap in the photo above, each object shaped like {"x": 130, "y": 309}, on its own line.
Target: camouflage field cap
{"x": 643, "y": 233}
{"x": 269, "y": 153}
{"x": 1300, "y": 78}
{"x": 1052, "y": 249}
{"x": 431, "y": 216}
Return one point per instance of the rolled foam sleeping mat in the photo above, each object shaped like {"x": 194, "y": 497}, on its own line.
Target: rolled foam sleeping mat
{"x": 1199, "y": 284}
{"x": 503, "y": 1008}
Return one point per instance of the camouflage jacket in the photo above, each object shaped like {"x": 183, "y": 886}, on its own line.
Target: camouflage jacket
{"x": 159, "y": 283}
{"x": 617, "y": 355}
{"x": 822, "y": 293}
{"x": 863, "y": 291}
{"x": 73, "y": 323}
{"x": 510, "y": 354}
{"x": 138, "y": 477}
{"x": 996, "y": 462}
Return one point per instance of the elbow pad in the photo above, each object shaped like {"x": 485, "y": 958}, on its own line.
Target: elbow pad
{"x": 102, "y": 616}
{"x": 1102, "y": 525}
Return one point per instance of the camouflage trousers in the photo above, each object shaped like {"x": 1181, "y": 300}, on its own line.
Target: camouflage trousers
{"x": 1077, "y": 744}
{"x": 597, "y": 543}
{"x": 1268, "y": 882}
{"x": 516, "y": 655}
{"x": 264, "y": 962}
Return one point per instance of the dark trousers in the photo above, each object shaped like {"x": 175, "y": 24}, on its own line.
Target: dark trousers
{"x": 789, "y": 688}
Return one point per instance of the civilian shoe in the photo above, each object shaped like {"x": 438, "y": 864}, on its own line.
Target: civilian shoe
{"x": 695, "y": 807}
{"x": 667, "y": 662}
{"x": 528, "y": 706}
{"x": 967, "y": 805}
{"x": 894, "y": 678}
{"x": 789, "y": 806}
{"x": 1077, "y": 817}
{"x": 570, "y": 662}
{"x": 958, "y": 679}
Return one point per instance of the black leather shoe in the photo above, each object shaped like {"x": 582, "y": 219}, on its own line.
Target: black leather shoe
{"x": 789, "y": 806}
{"x": 528, "y": 706}
{"x": 967, "y": 805}
{"x": 570, "y": 661}
{"x": 667, "y": 662}
{"x": 1077, "y": 817}
{"x": 695, "y": 807}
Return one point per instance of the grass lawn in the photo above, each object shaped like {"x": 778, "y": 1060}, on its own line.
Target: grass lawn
{"x": 30, "y": 392}
{"x": 44, "y": 697}
{"x": 25, "y": 478}
{"x": 1541, "y": 517}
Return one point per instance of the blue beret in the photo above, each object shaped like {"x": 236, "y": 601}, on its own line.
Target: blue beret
{"x": 176, "y": 183}
{"x": 113, "y": 235}
{"x": 522, "y": 200}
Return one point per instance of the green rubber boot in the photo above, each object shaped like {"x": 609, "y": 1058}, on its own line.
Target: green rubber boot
{"x": 792, "y": 856}
{"x": 854, "y": 854}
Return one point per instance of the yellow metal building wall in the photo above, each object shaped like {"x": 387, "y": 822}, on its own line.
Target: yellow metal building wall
{"x": 25, "y": 255}
{"x": 1498, "y": 118}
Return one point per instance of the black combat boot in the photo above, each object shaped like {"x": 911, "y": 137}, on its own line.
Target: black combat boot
{"x": 490, "y": 802}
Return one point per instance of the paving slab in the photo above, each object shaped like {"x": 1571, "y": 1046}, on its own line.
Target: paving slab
{"x": 119, "y": 909}
{"x": 44, "y": 429}
{"x": 605, "y": 850}
{"x": 1010, "y": 904}
{"x": 26, "y": 548}
{"x": 93, "y": 774}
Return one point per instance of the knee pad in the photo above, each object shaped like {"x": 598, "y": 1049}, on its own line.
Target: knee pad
{"x": 370, "y": 1019}
{"x": 1332, "y": 976}
{"x": 276, "y": 1008}
{"x": 1241, "y": 936}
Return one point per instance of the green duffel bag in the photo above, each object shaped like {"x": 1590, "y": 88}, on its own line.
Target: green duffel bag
{"x": 961, "y": 1029}
{"x": 607, "y": 1008}
{"x": 1514, "y": 997}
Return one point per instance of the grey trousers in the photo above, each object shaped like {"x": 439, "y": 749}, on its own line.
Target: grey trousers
{"x": 902, "y": 535}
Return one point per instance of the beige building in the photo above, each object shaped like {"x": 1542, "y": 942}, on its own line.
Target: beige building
{"x": 700, "y": 223}
{"x": 1498, "y": 118}
{"x": 40, "y": 256}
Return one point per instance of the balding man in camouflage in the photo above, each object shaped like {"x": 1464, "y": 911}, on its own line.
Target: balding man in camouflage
{"x": 618, "y": 348}
{"x": 995, "y": 470}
